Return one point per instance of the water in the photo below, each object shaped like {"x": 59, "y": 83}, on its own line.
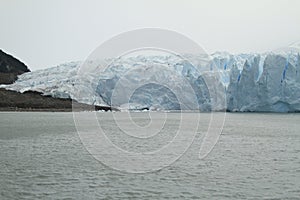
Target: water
{"x": 256, "y": 157}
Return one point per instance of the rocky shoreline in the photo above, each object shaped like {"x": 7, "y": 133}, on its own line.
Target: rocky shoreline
{"x": 35, "y": 101}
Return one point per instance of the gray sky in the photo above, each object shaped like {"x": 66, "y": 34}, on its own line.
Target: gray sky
{"x": 44, "y": 33}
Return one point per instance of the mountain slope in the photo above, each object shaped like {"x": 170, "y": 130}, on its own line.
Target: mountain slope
{"x": 10, "y": 68}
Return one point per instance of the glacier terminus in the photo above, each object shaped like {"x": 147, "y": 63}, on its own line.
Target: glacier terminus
{"x": 254, "y": 82}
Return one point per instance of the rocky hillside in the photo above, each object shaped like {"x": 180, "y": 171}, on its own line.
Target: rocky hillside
{"x": 10, "y": 68}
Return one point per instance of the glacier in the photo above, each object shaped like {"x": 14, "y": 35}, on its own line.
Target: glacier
{"x": 253, "y": 82}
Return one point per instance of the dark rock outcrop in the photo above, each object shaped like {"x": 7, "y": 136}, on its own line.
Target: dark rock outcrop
{"x": 10, "y": 68}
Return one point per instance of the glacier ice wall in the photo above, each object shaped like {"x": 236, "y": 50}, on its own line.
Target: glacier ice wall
{"x": 277, "y": 89}
{"x": 268, "y": 82}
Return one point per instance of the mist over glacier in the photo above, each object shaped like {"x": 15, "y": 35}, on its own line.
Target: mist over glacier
{"x": 266, "y": 82}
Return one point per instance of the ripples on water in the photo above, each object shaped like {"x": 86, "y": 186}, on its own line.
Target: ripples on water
{"x": 257, "y": 156}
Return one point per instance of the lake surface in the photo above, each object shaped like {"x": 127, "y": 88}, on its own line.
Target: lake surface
{"x": 257, "y": 157}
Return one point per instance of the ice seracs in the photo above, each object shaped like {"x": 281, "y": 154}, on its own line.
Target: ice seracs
{"x": 266, "y": 82}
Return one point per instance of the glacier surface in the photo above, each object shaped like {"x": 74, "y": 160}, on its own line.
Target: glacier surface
{"x": 266, "y": 82}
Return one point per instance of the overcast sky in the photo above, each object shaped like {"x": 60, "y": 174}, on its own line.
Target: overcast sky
{"x": 44, "y": 33}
